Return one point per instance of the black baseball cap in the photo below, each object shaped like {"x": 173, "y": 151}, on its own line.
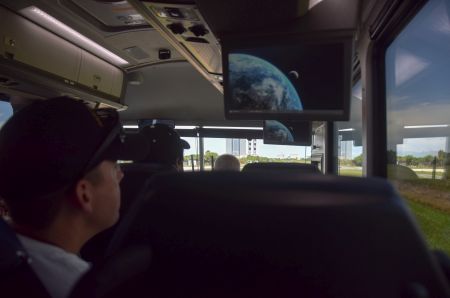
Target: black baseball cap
{"x": 164, "y": 142}
{"x": 52, "y": 143}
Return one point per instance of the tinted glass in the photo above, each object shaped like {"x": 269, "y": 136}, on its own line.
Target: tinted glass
{"x": 418, "y": 122}
{"x": 6, "y": 112}
{"x": 349, "y": 137}
{"x": 191, "y": 160}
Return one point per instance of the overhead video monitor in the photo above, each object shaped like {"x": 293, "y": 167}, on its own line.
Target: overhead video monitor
{"x": 287, "y": 78}
{"x": 288, "y": 132}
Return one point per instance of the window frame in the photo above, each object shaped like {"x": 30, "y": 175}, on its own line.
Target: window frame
{"x": 393, "y": 18}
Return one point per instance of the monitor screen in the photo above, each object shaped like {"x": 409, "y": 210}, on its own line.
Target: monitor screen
{"x": 288, "y": 132}
{"x": 289, "y": 78}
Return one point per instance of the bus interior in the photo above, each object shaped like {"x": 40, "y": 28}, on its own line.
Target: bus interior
{"x": 338, "y": 111}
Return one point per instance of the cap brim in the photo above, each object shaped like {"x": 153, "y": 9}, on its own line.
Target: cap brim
{"x": 185, "y": 144}
{"x": 127, "y": 147}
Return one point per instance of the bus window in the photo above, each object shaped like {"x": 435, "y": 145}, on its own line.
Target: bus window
{"x": 191, "y": 161}
{"x": 249, "y": 151}
{"x": 349, "y": 137}
{"x": 218, "y": 146}
{"x": 6, "y": 111}
{"x": 418, "y": 126}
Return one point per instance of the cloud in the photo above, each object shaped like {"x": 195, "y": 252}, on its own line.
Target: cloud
{"x": 407, "y": 66}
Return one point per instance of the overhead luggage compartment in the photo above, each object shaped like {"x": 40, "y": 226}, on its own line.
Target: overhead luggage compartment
{"x": 32, "y": 45}
{"x": 99, "y": 75}
{"x": 47, "y": 59}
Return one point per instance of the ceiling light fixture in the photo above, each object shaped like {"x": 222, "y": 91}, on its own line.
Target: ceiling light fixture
{"x": 426, "y": 126}
{"x": 130, "y": 126}
{"x": 230, "y": 127}
{"x": 61, "y": 29}
{"x": 185, "y": 127}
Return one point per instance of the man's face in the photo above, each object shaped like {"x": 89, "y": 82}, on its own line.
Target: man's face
{"x": 106, "y": 195}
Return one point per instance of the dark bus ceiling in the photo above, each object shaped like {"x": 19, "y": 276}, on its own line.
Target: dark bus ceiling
{"x": 172, "y": 88}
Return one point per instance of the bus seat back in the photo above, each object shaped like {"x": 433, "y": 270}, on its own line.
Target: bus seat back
{"x": 273, "y": 235}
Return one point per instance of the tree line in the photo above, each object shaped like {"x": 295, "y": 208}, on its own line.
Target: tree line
{"x": 427, "y": 161}
{"x": 209, "y": 156}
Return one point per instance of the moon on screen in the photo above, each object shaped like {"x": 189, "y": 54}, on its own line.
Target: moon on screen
{"x": 294, "y": 74}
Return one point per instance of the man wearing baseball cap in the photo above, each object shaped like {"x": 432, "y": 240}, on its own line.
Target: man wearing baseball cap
{"x": 166, "y": 146}
{"x": 60, "y": 180}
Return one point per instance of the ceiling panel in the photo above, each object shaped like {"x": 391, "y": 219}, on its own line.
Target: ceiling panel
{"x": 149, "y": 41}
{"x": 173, "y": 91}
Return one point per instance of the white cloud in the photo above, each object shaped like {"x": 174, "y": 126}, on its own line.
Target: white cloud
{"x": 407, "y": 66}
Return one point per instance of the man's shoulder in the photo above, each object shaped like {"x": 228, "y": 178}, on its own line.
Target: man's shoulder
{"x": 58, "y": 269}
{"x": 53, "y": 254}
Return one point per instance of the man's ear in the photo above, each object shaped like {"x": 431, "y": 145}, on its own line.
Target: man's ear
{"x": 84, "y": 195}
{"x": 179, "y": 165}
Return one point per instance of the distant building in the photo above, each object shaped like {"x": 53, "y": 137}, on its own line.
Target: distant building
{"x": 236, "y": 147}
{"x": 345, "y": 150}
{"x": 251, "y": 149}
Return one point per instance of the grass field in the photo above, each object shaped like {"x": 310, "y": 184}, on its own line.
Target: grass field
{"x": 431, "y": 193}
{"x": 348, "y": 171}
{"x": 434, "y": 223}
{"x": 429, "y": 201}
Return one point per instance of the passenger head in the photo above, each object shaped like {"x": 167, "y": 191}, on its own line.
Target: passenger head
{"x": 58, "y": 163}
{"x": 166, "y": 146}
{"x": 227, "y": 162}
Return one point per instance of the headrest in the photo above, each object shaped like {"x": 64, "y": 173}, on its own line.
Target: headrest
{"x": 300, "y": 168}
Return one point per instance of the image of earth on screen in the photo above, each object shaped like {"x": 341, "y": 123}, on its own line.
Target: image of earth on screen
{"x": 287, "y": 132}
{"x": 289, "y": 79}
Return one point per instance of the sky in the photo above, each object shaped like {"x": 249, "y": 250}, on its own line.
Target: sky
{"x": 5, "y": 112}
{"x": 420, "y": 147}
{"x": 417, "y": 88}
{"x": 415, "y": 146}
